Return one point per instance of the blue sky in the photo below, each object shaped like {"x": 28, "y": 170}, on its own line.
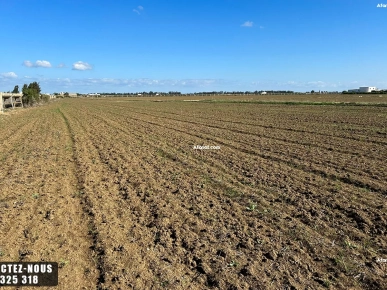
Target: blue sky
{"x": 192, "y": 45}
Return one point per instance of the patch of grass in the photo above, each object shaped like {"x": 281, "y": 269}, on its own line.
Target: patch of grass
{"x": 337, "y": 187}
{"x": 165, "y": 154}
{"x": 232, "y": 193}
{"x": 248, "y": 183}
{"x": 259, "y": 241}
{"x": 174, "y": 177}
{"x": 340, "y": 262}
{"x": 92, "y": 230}
{"x": 365, "y": 189}
{"x": 350, "y": 244}
{"x": 344, "y": 264}
{"x": 206, "y": 179}
{"x": 265, "y": 211}
{"x": 327, "y": 283}
{"x": 78, "y": 193}
{"x": 252, "y": 207}
{"x": 164, "y": 283}
{"x": 232, "y": 264}
{"x": 62, "y": 263}
{"x": 35, "y": 196}
{"x": 3, "y": 157}
{"x": 367, "y": 245}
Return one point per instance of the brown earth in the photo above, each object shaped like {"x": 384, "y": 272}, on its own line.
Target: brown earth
{"x": 114, "y": 191}
{"x": 307, "y": 98}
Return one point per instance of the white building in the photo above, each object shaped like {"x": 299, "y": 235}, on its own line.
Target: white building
{"x": 363, "y": 90}
{"x": 367, "y": 89}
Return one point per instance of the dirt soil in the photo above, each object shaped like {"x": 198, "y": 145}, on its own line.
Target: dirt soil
{"x": 113, "y": 189}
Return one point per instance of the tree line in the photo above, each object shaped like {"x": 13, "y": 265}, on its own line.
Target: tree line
{"x": 31, "y": 94}
{"x": 380, "y": 92}
{"x": 177, "y": 93}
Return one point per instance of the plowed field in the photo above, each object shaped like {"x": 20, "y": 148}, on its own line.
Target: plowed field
{"x": 118, "y": 192}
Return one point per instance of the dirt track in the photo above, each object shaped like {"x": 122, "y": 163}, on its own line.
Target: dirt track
{"x": 112, "y": 189}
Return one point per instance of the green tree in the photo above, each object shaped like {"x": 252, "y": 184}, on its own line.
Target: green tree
{"x": 27, "y": 97}
{"x": 15, "y": 90}
{"x": 35, "y": 87}
{"x": 31, "y": 93}
{"x": 25, "y": 89}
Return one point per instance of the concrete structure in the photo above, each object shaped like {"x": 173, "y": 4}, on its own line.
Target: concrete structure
{"x": 52, "y": 96}
{"x": 363, "y": 90}
{"x": 71, "y": 95}
{"x": 10, "y": 99}
{"x": 367, "y": 89}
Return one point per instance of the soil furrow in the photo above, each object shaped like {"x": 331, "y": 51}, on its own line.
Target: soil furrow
{"x": 117, "y": 194}
{"x": 87, "y": 206}
{"x": 379, "y": 141}
{"x": 274, "y": 184}
{"x": 374, "y": 186}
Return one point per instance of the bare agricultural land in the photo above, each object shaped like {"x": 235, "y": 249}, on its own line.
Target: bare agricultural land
{"x": 220, "y": 193}
{"x": 346, "y": 99}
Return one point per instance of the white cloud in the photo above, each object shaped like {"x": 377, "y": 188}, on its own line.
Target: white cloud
{"x": 248, "y": 24}
{"x": 139, "y": 8}
{"x": 261, "y": 27}
{"x": 38, "y": 63}
{"x": 43, "y": 63}
{"x": 80, "y": 65}
{"x": 61, "y": 65}
{"x": 294, "y": 84}
{"x": 140, "y": 84}
{"x": 11, "y": 75}
{"x": 27, "y": 63}
{"x": 301, "y": 85}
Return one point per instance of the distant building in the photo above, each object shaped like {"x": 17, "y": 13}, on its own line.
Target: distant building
{"x": 367, "y": 89}
{"x": 52, "y": 96}
{"x": 363, "y": 90}
{"x": 72, "y": 95}
{"x": 263, "y": 93}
